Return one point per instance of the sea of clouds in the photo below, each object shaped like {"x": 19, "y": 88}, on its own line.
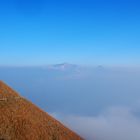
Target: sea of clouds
{"x": 98, "y": 103}
{"x": 116, "y": 123}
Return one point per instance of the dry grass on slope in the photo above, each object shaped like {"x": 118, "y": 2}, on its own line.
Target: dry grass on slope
{"x": 22, "y": 120}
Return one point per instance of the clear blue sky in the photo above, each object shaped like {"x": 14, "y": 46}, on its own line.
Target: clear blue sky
{"x": 39, "y": 32}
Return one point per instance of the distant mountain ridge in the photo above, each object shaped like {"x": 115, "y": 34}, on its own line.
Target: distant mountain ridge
{"x": 63, "y": 67}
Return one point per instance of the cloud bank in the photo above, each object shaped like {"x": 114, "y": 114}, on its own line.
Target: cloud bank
{"x": 116, "y": 123}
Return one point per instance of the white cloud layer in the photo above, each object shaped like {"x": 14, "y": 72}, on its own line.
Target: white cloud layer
{"x": 116, "y": 123}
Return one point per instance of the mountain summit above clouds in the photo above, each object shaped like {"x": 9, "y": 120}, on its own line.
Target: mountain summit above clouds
{"x": 22, "y": 120}
{"x": 63, "y": 67}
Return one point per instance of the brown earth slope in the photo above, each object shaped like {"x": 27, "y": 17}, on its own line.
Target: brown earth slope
{"x": 22, "y": 120}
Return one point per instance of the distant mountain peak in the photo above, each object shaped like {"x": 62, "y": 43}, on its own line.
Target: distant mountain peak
{"x": 63, "y": 66}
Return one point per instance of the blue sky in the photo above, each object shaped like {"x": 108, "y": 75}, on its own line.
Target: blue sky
{"x": 39, "y": 32}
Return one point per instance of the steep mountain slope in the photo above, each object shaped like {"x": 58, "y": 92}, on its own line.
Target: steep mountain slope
{"x": 22, "y": 120}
